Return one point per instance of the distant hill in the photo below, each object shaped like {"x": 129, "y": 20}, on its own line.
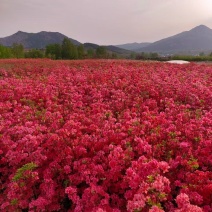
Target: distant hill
{"x": 35, "y": 40}
{"x": 198, "y": 39}
{"x": 90, "y": 46}
{"x": 133, "y": 46}
{"x": 41, "y": 39}
{"x": 118, "y": 50}
{"x": 110, "y": 48}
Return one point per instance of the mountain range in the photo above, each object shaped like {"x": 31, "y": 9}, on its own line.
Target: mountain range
{"x": 41, "y": 39}
{"x": 133, "y": 46}
{"x": 194, "y": 41}
{"x": 35, "y": 40}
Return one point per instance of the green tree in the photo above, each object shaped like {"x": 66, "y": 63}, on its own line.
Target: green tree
{"x": 5, "y": 52}
{"x": 74, "y": 52}
{"x": 53, "y": 51}
{"x": 133, "y": 55}
{"x": 69, "y": 50}
{"x": 34, "y": 53}
{"x": 142, "y": 56}
{"x": 101, "y": 52}
{"x": 114, "y": 56}
{"x": 81, "y": 51}
{"x": 153, "y": 55}
{"x": 17, "y": 50}
{"x": 90, "y": 53}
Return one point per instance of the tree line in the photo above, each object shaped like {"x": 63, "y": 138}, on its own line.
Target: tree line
{"x": 17, "y": 51}
{"x": 66, "y": 50}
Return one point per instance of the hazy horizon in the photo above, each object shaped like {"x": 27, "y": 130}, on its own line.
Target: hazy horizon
{"x": 105, "y": 22}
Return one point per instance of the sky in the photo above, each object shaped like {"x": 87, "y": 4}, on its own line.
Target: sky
{"x": 105, "y": 22}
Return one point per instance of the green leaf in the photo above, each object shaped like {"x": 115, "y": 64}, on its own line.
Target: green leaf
{"x": 20, "y": 171}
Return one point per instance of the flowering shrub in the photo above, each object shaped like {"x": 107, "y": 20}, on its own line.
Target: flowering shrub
{"x": 105, "y": 136}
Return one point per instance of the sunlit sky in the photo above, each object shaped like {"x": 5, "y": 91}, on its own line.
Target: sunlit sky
{"x": 105, "y": 21}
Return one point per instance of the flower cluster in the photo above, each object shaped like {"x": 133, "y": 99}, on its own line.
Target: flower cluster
{"x": 101, "y": 136}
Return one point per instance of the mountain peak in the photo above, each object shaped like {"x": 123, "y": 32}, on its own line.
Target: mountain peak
{"x": 198, "y": 39}
{"x": 201, "y": 28}
{"x": 35, "y": 40}
{"x": 20, "y": 32}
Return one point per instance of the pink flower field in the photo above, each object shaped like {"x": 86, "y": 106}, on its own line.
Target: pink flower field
{"x": 105, "y": 136}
